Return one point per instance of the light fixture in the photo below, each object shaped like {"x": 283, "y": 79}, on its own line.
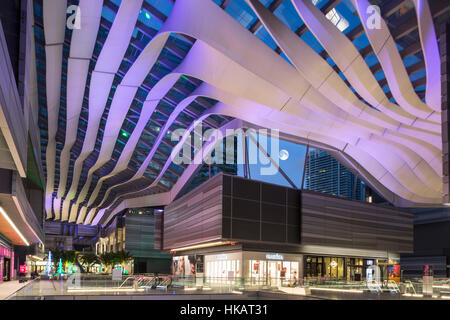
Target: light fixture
{"x": 19, "y": 207}
{"x": 147, "y": 15}
{"x": 105, "y": 290}
{"x": 190, "y": 289}
{"x": 338, "y": 290}
{"x": 205, "y": 245}
{"x": 413, "y": 295}
{"x": 3, "y": 212}
{"x": 340, "y": 22}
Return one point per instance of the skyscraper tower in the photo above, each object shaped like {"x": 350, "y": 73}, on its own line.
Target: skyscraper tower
{"x": 325, "y": 174}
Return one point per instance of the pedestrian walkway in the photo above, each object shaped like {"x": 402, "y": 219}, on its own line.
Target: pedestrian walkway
{"x": 7, "y": 288}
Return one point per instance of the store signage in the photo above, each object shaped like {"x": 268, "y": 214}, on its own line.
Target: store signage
{"x": 221, "y": 257}
{"x": 274, "y": 256}
{"x": 23, "y": 268}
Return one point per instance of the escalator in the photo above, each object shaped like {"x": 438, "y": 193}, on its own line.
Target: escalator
{"x": 149, "y": 283}
{"x": 164, "y": 284}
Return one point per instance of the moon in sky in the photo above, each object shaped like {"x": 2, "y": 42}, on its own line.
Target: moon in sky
{"x": 284, "y": 154}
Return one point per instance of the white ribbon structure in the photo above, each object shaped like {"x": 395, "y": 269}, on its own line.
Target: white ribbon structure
{"x": 396, "y": 145}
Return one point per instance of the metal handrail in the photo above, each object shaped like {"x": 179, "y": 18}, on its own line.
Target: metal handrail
{"x": 125, "y": 281}
{"x": 393, "y": 284}
{"x": 409, "y": 284}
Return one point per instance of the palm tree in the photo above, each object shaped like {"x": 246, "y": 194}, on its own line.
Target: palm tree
{"x": 89, "y": 259}
{"x": 108, "y": 259}
{"x": 122, "y": 257}
{"x": 70, "y": 256}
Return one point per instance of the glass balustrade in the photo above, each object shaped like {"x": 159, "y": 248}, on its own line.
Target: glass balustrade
{"x": 168, "y": 284}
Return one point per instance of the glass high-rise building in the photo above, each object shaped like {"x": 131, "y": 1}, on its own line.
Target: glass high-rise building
{"x": 325, "y": 174}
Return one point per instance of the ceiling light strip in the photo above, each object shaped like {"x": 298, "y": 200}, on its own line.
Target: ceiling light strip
{"x": 204, "y": 245}
{"x": 3, "y": 212}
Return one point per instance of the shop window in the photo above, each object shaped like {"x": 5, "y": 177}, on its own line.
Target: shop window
{"x": 336, "y": 268}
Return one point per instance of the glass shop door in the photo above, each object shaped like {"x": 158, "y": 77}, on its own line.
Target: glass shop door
{"x": 273, "y": 272}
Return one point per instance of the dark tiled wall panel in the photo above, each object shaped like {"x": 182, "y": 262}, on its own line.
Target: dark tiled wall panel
{"x": 141, "y": 238}
{"x": 413, "y": 266}
{"x": 259, "y": 211}
{"x": 230, "y": 207}
{"x": 338, "y": 222}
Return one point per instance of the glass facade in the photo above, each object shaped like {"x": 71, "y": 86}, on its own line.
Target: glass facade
{"x": 256, "y": 268}
{"x": 271, "y": 271}
{"x": 325, "y": 174}
{"x": 223, "y": 269}
{"x": 295, "y": 166}
{"x": 336, "y": 268}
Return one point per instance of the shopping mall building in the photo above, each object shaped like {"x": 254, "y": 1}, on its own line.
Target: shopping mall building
{"x": 256, "y": 139}
{"x": 234, "y": 227}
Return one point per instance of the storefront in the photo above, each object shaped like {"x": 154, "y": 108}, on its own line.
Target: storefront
{"x": 188, "y": 266}
{"x": 337, "y": 268}
{"x": 390, "y": 269}
{"x": 6, "y": 264}
{"x": 275, "y": 268}
{"x": 223, "y": 266}
{"x": 35, "y": 264}
{"x": 259, "y": 268}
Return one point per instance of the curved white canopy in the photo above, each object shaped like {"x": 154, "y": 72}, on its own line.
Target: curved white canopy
{"x": 397, "y": 145}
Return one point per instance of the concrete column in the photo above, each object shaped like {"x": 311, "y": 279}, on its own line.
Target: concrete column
{"x": 444, "y": 49}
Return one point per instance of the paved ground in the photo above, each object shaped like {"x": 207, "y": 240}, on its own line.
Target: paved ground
{"x": 7, "y": 288}
{"x": 40, "y": 288}
{"x": 57, "y": 289}
{"x": 362, "y": 296}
